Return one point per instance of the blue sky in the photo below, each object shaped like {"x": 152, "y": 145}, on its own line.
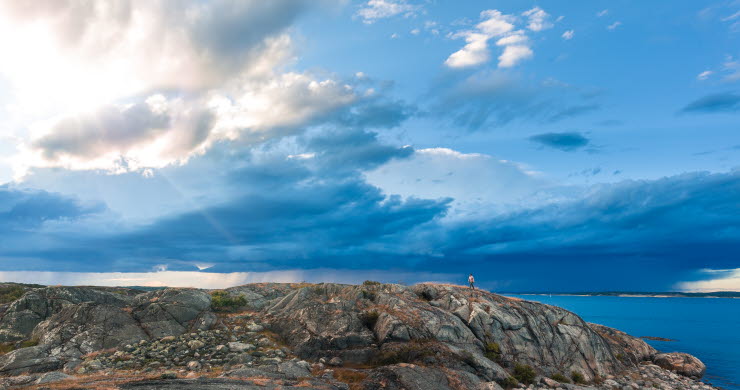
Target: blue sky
{"x": 550, "y": 145}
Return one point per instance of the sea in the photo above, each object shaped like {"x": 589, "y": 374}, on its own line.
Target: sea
{"x": 708, "y": 328}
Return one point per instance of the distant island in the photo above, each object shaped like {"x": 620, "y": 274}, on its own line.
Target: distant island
{"x": 716, "y": 294}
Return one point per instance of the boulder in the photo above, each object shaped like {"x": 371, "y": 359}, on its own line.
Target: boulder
{"x": 194, "y": 365}
{"x": 236, "y": 346}
{"x": 31, "y": 360}
{"x": 171, "y": 311}
{"x": 681, "y": 363}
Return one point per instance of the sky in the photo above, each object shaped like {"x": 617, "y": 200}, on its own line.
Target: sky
{"x": 542, "y": 146}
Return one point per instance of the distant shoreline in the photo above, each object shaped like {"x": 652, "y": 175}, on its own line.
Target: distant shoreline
{"x": 719, "y": 294}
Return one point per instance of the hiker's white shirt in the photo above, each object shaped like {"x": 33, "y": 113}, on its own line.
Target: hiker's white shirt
{"x": 471, "y": 279}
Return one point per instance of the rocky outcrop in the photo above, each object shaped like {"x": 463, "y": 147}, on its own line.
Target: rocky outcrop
{"x": 624, "y": 346}
{"x": 681, "y": 363}
{"x": 22, "y": 316}
{"x": 371, "y": 336}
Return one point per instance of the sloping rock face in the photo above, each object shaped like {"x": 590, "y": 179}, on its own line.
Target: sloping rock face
{"x": 328, "y": 321}
{"x": 22, "y": 316}
{"x": 625, "y": 346}
{"x": 427, "y": 336}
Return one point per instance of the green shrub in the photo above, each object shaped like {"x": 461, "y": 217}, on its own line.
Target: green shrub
{"x": 222, "y": 301}
{"x": 493, "y": 351}
{"x": 524, "y": 373}
{"x": 370, "y": 283}
{"x": 369, "y": 295}
{"x": 29, "y": 343}
{"x": 509, "y": 382}
{"x": 425, "y": 295}
{"x": 577, "y": 377}
{"x": 560, "y": 378}
{"x": 6, "y": 347}
{"x": 406, "y": 353}
{"x": 11, "y": 293}
{"x": 369, "y": 319}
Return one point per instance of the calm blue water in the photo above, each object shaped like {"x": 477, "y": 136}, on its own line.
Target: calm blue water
{"x": 708, "y": 328}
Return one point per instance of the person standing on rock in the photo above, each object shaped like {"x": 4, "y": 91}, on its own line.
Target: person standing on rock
{"x": 471, "y": 280}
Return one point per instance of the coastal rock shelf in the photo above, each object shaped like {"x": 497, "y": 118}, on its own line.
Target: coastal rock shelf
{"x": 319, "y": 336}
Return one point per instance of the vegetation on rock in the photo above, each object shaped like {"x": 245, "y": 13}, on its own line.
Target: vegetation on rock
{"x": 560, "y": 378}
{"x": 224, "y": 302}
{"x": 524, "y": 373}
{"x": 577, "y": 377}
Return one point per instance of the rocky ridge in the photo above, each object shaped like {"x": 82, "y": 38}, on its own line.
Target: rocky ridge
{"x": 322, "y": 336}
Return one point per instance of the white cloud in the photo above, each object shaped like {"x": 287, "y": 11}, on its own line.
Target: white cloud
{"x": 475, "y": 52}
{"x": 568, "y": 35}
{"x": 73, "y": 55}
{"x": 602, "y": 13}
{"x": 415, "y": 31}
{"x": 374, "y": 10}
{"x": 495, "y": 24}
{"x": 704, "y": 75}
{"x": 614, "y": 25}
{"x": 480, "y": 184}
{"x": 734, "y": 16}
{"x": 512, "y": 40}
{"x": 538, "y": 19}
{"x": 513, "y": 55}
{"x": 95, "y": 72}
{"x": 160, "y": 131}
{"x": 721, "y": 280}
{"x": 731, "y": 68}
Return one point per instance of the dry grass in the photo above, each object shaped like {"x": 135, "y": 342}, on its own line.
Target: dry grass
{"x": 274, "y": 337}
{"x": 94, "y": 354}
{"x": 453, "y": 379}
{"x": 350, "y": 376}
{"x": 301, "y": 285}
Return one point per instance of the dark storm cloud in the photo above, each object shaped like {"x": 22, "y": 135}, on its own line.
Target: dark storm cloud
{"x": 564, "y": 141}
{"x": 24, "y": 210}
{"x": 650, "y": 233}
{"x": 311, "y": 208}
{"x": 719, "y": 102}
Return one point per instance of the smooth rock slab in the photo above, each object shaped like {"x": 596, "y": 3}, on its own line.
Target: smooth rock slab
{"x": 53, "y": 376}
{"x": 236, "y": 346}
{"x": 681, "y": 363}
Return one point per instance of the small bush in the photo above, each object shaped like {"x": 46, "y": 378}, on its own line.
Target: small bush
{"x": 425, "y": 295}
{"x": 406, "y": 353}
{"x": 369, "y": 295}
{"x": 369, "y": 319}
{"x": 222, "y": 301}
{"x": 577, "y": 377}
{"x": 370, "y": 283}
{"x": 6, "y": 347}
{"x": 509, "y": 382}
{"x": 560, "y": 378}
{"x": 524, "y": 373}
{"x": 493, "y": 351}
{"x": 29, "y": 343}
{"x": 11, "y": 293}
{"x": 619, "y": 356}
